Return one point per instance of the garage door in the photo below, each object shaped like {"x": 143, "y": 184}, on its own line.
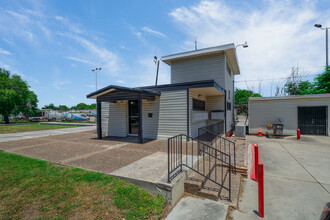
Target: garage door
{"x": 312, "y": 120}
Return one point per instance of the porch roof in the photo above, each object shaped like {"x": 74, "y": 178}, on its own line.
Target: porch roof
{"x": 114, "y": 88}
{"x": 152, "y": 91}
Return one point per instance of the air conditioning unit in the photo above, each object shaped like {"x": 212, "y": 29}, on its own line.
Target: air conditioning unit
{"x": 240, "y": 131}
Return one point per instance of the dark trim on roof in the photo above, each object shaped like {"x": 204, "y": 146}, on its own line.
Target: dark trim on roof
{"x": 124, "y": 89}
{"x": 186, "y": 85}
{"x": 155, "y": 90}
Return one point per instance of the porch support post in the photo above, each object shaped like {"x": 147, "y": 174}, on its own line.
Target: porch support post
{"x": 99, "y": 120}
{"x": 225, "y": 111}
{"x": 140, "y": 120}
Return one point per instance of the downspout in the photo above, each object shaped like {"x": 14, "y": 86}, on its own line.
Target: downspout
{"x": 188, "y": 116}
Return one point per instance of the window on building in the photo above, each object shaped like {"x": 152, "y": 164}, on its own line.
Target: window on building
{"x": 228, "y": 105}
{"x": 228, "y": 69}
{"x": 198, "y": 105}
{"x": 228, "y": 94}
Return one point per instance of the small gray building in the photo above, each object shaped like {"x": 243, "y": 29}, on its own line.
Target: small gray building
{"x": 309, "y": 113}
{"x": 201, "y": 93}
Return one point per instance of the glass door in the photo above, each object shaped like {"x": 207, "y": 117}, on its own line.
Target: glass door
{"x": 133, "y": 117}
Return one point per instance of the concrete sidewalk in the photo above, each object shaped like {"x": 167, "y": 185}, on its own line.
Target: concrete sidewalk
{"x": 43, "y": 133}
{"x": 296, "y": 181}
{"x": 194, "y": 208}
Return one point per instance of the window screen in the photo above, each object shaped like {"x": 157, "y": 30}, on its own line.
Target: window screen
{"x": 198, "y": 104}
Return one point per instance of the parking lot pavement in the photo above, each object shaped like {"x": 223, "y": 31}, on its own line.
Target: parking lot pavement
{"x": 297, "y": 178}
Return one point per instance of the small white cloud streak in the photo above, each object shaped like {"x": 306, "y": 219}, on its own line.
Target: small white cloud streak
{"x": 5, "y": 52}
{"x": 120, "y": 81}
{"x": 153, "y": 32}
{"x": 80, "y": 60}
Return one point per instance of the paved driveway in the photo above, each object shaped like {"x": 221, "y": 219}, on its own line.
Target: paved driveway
{"x": 297, "y": 178}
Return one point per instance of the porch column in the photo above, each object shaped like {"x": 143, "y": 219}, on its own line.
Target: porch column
{"x": 99, "y": 120}
{"x": 140, "y": 119}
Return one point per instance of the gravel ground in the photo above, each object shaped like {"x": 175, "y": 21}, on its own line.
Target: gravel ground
{"x": 84, "y": 150}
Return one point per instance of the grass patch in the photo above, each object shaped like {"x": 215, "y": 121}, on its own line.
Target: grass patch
{"x": 15, "y": 122}
{"x": 40, "y": 190}
{"x": 30, "y": 127}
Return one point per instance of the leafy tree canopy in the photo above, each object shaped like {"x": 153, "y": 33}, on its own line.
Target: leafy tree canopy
{"x": 15, "y": 96}
{"x": 321, "y": 84}
{"x": 242, "y": 95}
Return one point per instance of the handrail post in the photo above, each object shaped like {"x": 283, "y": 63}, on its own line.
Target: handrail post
{"x": 229, "y": 178}
{"x": 181, "y": 151}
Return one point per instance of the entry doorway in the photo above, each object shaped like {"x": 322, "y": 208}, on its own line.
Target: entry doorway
{"x": 133, "y": 117}
{"x": 312, "y": 120}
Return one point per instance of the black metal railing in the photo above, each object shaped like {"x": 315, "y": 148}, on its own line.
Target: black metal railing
{"x": 213, "y": 165}
{"x": 211, "y": 135}
{"x": 216, "y": 128}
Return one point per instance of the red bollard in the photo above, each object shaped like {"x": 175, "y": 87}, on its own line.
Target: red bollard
{"x": 261, "y": 189}
{"x": 256, "y": 160}
{"x": 298, "y": 134}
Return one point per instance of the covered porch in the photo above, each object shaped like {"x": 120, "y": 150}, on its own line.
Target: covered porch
{"x": 208, "y": 108}
{"x": 128, "y": 102}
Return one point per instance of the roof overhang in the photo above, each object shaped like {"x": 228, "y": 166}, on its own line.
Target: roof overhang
{"x": 186, "y": 85}
{"x": 113, "y": 88}
{"x": 228, "y": 49}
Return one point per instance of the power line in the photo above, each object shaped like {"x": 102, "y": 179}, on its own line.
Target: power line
{"x": 258, "y": 80}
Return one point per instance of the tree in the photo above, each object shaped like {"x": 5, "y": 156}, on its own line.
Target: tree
{"x": 322, "y": 81}
{"x": 82, "y": 106}
{"x": 63, "y": 108}
{"x": 296, "y": 86}
{"x": 50, "y": 106}
{"x": 242, "y": 98}
{"x": 15, "y": 96}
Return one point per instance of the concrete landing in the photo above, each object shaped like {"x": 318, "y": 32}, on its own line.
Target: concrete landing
{"x": 194, "y": 208}
{"x": 152, "y": 168}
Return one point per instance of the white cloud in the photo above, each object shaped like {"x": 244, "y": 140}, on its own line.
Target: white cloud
{"x": 120, "y": 81}
{"x": 153, "y": 32}
{"x": 5, "y": 52}
{"x": 279, "y": 35}
{"x": 60, "y": 84}
{"x": 80, "y": 60}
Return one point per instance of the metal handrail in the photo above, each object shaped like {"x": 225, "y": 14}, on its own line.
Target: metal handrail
{"x": 176, "y": 162}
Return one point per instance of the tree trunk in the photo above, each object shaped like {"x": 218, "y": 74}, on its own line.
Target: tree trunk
{"x": 6, "y": 119}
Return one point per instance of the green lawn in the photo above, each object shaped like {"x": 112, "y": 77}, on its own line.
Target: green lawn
{"x": 30, "y": 127}
{"x": 16, "y": 121}
{"x": 36, "y": 189}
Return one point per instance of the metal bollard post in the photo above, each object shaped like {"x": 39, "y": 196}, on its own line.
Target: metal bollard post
{"x": 256, "y": 159}
{"x": 261, "y": 189}
{"x": 298, "y": 134}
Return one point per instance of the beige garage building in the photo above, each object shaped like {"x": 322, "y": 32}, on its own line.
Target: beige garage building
{"x": 309, "y": 113}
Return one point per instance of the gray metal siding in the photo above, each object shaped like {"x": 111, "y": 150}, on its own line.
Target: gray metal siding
{"x": 229, "y": 87}
{"x": 215, "y": 103}
{"x": 172, "y": 114}
{"x": 211, "y": 67}
{"x": 105, "y": 117}
{"x": 270, "y": 111}
{"x": 117, "y": 125}
{"x": 150, "y": 125}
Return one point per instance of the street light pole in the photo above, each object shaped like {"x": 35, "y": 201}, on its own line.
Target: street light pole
{"x": 96, "y": 70}
{"x": 326, "y": 41}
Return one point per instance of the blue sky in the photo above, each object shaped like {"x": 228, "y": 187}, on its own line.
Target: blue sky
{"x": 54, "y": 45}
